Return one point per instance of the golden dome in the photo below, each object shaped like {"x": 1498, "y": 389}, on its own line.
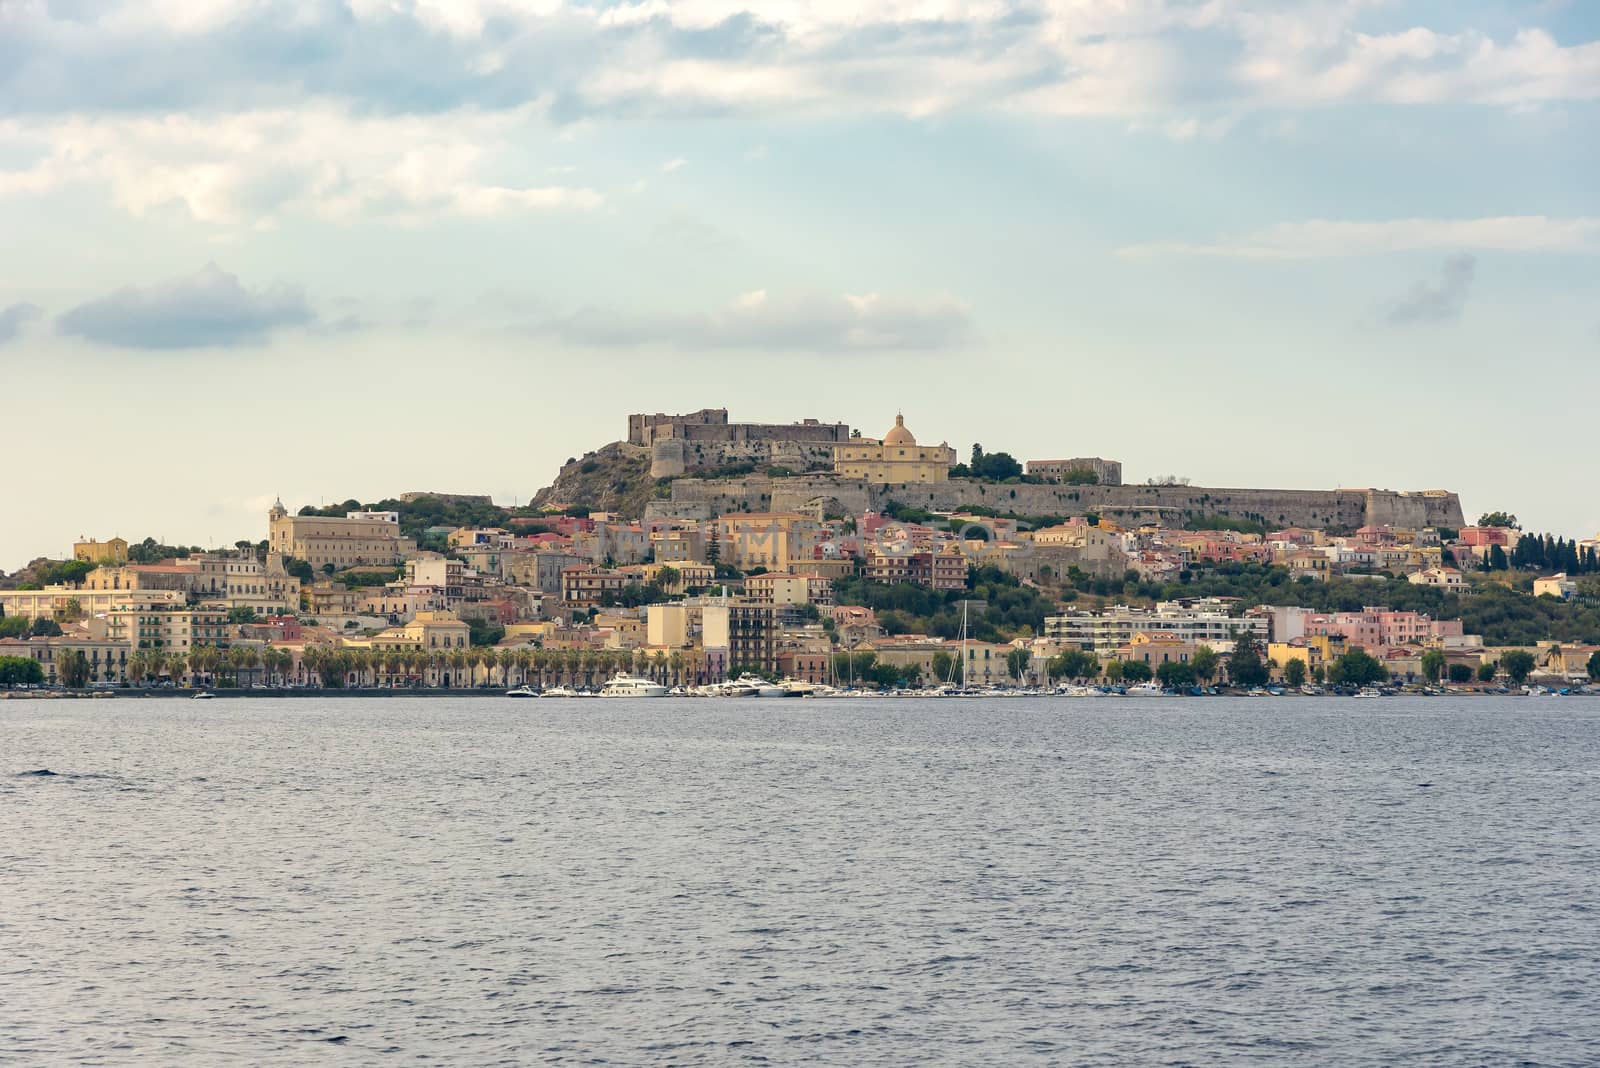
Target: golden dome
{"x": 899, "y": 435}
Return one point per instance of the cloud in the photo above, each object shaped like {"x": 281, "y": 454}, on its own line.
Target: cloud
{"x": 1324, "y": 238}
{"x": 1436, "y": 303}
{"x": 673, "y": 165}
{"x": 202, "y": 310}
{"x": 12, "y": 319}
{"x": 755, "y": 320}
{"x": 716, "y": 57}
{"x": 255, "y": 167}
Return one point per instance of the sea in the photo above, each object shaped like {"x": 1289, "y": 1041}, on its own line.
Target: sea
{"x": 1318, "y": 881}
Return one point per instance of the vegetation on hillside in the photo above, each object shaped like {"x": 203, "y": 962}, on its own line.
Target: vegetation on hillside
{"x": 1503, "y": 614}
{"x": 1008, "y": 610}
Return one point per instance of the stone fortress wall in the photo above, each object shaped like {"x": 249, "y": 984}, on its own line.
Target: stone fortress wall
{"x": 1128, "y": 505}
{"x": 705, "y": 439}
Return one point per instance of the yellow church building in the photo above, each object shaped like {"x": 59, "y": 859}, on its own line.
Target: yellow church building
{"x": 896, "y": 459}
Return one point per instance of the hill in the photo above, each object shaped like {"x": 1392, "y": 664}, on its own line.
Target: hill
{"x": 614, "y": 478}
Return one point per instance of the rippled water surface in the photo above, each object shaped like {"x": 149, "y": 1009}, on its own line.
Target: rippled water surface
{"x": 852, "y": 883}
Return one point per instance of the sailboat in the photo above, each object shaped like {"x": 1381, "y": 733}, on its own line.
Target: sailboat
{"x": 950, "y": 689}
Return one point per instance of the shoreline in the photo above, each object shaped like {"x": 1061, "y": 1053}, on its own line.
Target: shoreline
{"x": 232, "y": 693}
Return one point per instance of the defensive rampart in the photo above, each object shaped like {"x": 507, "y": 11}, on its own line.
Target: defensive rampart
{"x": 1170, "y": 505}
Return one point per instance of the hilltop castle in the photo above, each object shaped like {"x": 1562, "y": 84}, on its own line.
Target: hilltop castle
{"x": 705, "y": 440}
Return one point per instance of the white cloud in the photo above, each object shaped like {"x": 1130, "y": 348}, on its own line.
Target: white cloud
{"x": 254, "y": 167}
{"x": 1152, "y": 58}
{"x": 674, "y": 165}
{"x": 1322, "y": 238}
{"x": 759, "y": 320}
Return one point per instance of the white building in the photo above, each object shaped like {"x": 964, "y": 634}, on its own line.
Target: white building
{"x": 1103, "y": 633}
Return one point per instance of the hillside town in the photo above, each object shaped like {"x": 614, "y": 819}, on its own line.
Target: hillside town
{"x": 813, "y": 554}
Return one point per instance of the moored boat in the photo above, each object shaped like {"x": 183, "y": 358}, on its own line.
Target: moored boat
{"x": 622, "y": 685}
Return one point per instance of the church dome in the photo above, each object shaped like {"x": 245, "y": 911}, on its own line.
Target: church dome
{"x": 899, "y": 435}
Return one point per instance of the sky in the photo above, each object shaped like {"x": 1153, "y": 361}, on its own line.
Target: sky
{"x": 351, "y": 248}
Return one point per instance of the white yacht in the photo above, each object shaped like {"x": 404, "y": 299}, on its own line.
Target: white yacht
{"x": 203, "y": 695}
{"x": 563, "y": 691}
{"x": 760, "y": 686}
{"x": 1146, "y": 689}
{"x": 521, "y": 691}
{"x": 632, "y": 686}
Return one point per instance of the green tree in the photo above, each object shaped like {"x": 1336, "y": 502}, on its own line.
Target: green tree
{"x": 1486, "y": 671}
{"x": 14, "y": 626}
{"x": 1074, "y": 664}
{"x": 242, "y": 614}
{"x": 943, "y": 667}
{"x": 1136, "y": 671}
{"x": 1176, "y": 675}
{"x": 72, "y": 668}
{"x": 1497, "y": 519}
{"x": 1459, "y": 673}
{"x": 1205, "y": 661}
{"x": 1245, "y": 666}
{"x": 1294, "y": 671}
{"x": 1017, "y": 661}
{"x": 1518, "y": 665}
{"x": 45, "y": 628}
{"x": 1356, "y": 668}
{"x": 483, "y": 632}
{"x": 1433, "y": 665}
{"x": 20, "y": 671}
{"x": 1594, "y": 666}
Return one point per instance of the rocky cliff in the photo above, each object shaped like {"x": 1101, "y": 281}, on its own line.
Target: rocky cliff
{"x": 615, "y": 478}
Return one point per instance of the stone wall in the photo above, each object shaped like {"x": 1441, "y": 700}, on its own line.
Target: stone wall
{"x": 677, "y": 456}
{"x": 1172, "y": 505}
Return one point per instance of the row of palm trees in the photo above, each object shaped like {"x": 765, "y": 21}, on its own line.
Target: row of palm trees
{"x": 487, "y": 667}
{"x": 245, "y": 665}
{"x": 240, "y": 665}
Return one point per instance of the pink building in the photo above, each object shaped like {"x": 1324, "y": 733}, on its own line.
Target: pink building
{"x": 1377, "y": 628}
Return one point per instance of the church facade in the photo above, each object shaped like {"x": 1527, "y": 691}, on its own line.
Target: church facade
{"x": 894, "y": 460}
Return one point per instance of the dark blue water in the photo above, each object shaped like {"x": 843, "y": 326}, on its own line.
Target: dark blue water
{"x": 875, "y": 883}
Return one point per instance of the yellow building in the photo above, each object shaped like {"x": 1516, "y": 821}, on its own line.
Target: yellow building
{"x": 114, "y": 551}
{"x": 427, "y": 632}
{"x": 894, "y": 460}
{"x": 773, "y": 540}
{"x": 1315, "y": 650}
{"x": 358, "y": 538}
{"x": 172, "y": 630}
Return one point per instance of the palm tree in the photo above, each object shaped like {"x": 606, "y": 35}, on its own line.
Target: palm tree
{"x": 137, "y": 665}
{"x": 311, "y": 661}
{"x": 176, "y": 666}
{"x": 659, "y": 661}
{"x": 675, "y": 662}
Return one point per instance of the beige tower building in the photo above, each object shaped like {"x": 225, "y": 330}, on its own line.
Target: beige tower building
{"x": 896, "y": 459}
